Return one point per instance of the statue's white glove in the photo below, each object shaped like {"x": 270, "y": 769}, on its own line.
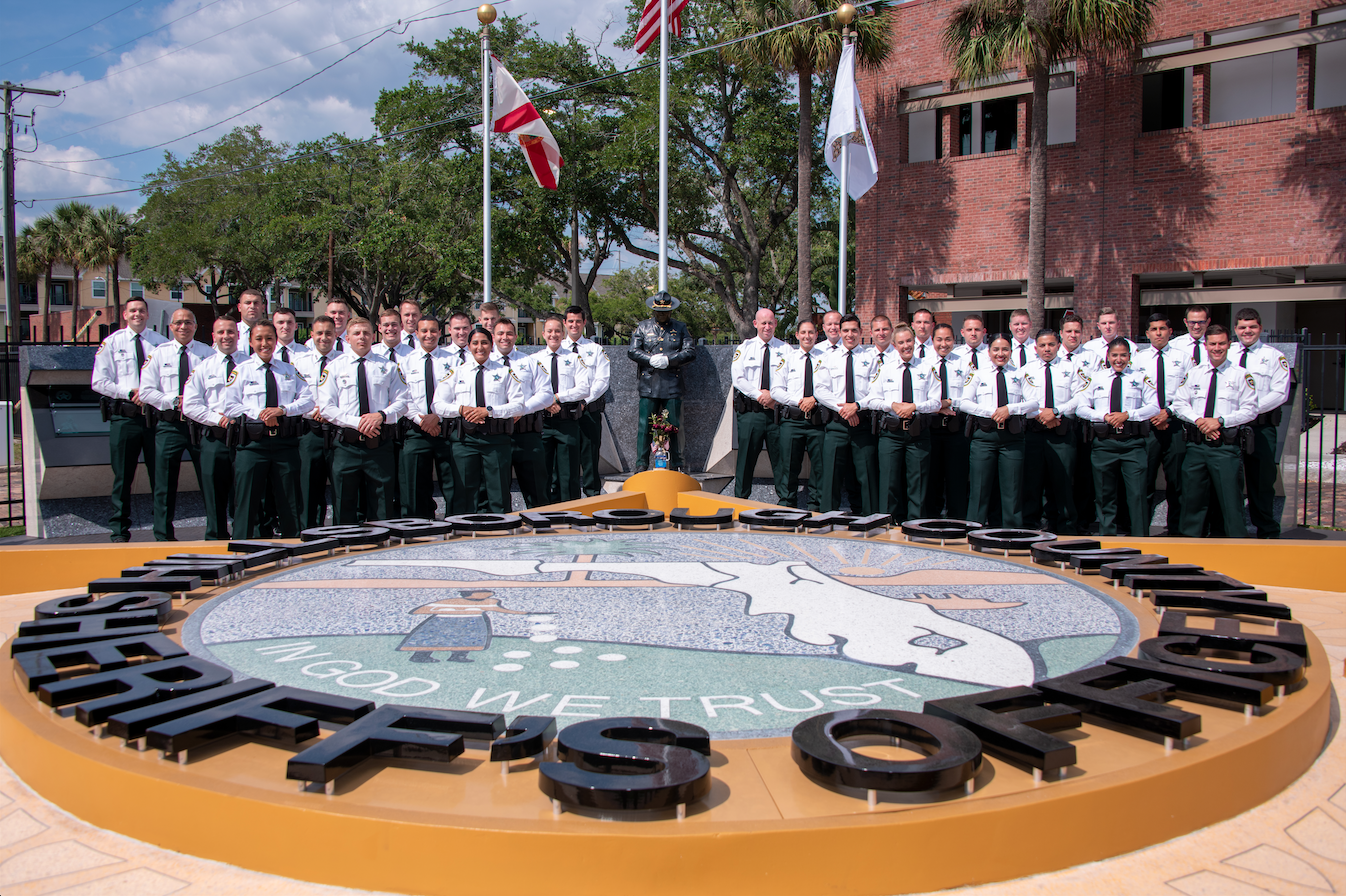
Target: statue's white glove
{"x": 659, "y": 361}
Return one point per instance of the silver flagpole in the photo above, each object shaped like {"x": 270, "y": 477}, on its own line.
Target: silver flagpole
{"x": 486, "y": 15}
{"x": 663, "y": 145}
{"x": 845, "y": 15}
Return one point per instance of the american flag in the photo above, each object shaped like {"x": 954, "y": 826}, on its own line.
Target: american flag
{"x": 647, "y": 35}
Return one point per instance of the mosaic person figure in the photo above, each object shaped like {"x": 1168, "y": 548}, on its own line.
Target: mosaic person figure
{"x": 116, "y": 376}
{"x": 458, "y": 625}
{"x": 661, "y": 347}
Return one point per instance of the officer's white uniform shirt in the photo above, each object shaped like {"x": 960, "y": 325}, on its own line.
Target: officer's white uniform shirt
{"x": 1235, "y": 394}
{"x": 310, "y": 364}
{"x": 339, "y": 395}
{"x": 925, "y": 350}
{"x": 410, "y": 340}
{"x": 159, "y": 378}
{"x": 573, "y": 377}
{"x": 536, "y": 382}
{"x": 243, "y": 344}
{"x": 956, "y": 370}
{"x": 747, "y": 365}
{"x": 203, "y": 400}
{"x": 1184, "y": 343}
{"x": 1065, "y": 384}
{"x": 887, "y": 386}
{"x": 1098, "y": 347}
{"x": 1270, "y": 370}
{"x": 831, "y": 389}
{"x": 600, "y": 366}
{"x": 828, "y": 347}
{"x": 1085, "y": 363}
{"x": 413, "y": 371}
{"x": 288, "y": 354}
{"x": 460, "y": 356}
{"x": 1022, "y": 353}
{"x": 980, "y": 398}
{"x": 245, "y": 394}
{"x": 1139, "y": 399}
{"x": 1176, "y": 364}
{"x": 504, "y": 391}
{"x": 788, "y": 388}
{"x": 964, "y": 353}
{"x": 341, "y": 345}
{"x": 399, "y": 351}
{"x": 116, "y": 373}
{"x": 885, "y": 357}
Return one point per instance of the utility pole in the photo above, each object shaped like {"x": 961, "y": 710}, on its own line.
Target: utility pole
{"x": 11, "y": 253}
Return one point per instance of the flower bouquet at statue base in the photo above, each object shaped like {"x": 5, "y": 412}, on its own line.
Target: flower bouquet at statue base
{"x": 661, "y": 432}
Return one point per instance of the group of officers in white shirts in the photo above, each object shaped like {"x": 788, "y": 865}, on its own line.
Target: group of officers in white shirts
{"x": 378, "y": 409}
{"x": 1021, "y": 429}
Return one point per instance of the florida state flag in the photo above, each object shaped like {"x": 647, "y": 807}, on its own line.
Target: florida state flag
{"x": 515, "y": 114}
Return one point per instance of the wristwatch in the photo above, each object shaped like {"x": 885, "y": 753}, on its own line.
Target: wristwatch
{"x": 490, "y": 411}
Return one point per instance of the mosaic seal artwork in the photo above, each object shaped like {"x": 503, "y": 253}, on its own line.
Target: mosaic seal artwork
{"x": 743, "y": 634}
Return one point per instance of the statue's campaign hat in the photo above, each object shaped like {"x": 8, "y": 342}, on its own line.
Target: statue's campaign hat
{"x": 662, "y": 302}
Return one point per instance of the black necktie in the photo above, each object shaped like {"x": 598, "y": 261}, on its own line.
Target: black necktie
{"x": 1159, "y": 377}
{"x": 272, "y": 389}
{"x": 285, "y": 354}
{"x": 1023, "y": 356}
{"x": 481, "y": 387}
{"x": 429, "y": 384}
{"x": 1115, "y": 406}
{"x": 362, "y": 385}
{"x": 766, "y": 368}
{"x": 228, "y": 366}
{"x": 322, "y": 365}
{"x": 808, "y": 376}
{"x": 555, "y": 375}
{"x": 462, "y": 356}
{"x": 850, "y": 377}
{"x": 392, "y": 353}
{"x": 184, "y": 371}
{"x": 907, "y": 391}
{"x": 1210, "y": 394}
{"x": 411, "y": 341}
{"x": 1048, "y": 393}
{"x": 1243, "y": 361}
{"x": 943, "y": 378}
{"x": 923, "y": 350}
{"x": 974, "y": 359}
{"x": 140, "y": 353}
{"x": 1001, "y": 389}
{"x": 1196, "y": 352}
{"x": 341, "y": 346}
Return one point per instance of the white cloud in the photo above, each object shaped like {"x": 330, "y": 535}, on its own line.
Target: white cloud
{"x": 52, "y": 171}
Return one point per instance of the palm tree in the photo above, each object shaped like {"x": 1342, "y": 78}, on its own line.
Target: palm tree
{"x": 109, "y": 228}
{"x": 806, "y": 49}
{"x": 40, "y": 244}
{"x": 984, "y": 37}
{"x": 72, "y": 229}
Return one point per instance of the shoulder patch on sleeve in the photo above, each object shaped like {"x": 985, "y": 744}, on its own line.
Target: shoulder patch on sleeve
{"x": 737, "y": 353}
{"x": 969, "y": 378}
{"x": 402, "y": 376}
{"x": 514, "y": 376}
{"x": 1148, "y": 381}
{"x": 300, "y": 375}
{"x": 1252, "y": 383}
{"x": 322, "y": 379}
{"x": 1285, "y": 363}
{"x": 448, "y": 372}
{"x": 232, "y": 377}
{"x": 1183, "y": 381}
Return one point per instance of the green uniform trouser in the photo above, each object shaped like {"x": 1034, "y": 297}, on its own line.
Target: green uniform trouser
{"x": 561, "y": 446}
{"x": 947, "y": 492}
{"x": 904, "y": 471}
{"x": 217, "y": 482}
{"x": 1121, "y": 462}
{"x": 267, "y": 467}
{"x": 422, "y": 456}
{"x": 485, "y": 458}
{"x": 996, "y": 464}
{"x": 591, "y": 448}
{"x": 1049, "y": 466}
{"x": 755, "y": 426}
{"x": 797, "y": 438}
{"x": 127, "y": 438}
{"x": 529, "y": 459}
{"x": 356, "y": 468}
{"x": 840, "y": 440}
{"x": 1084, "y": 483}
{"x": 170, "y": 440}
{"x": 1211, "y": 469}
{"x": 1259, "y": 475}
{"x": 1167, "y": 448}
{"x": 315, "y": 465}
{"x": 650, "y": 407}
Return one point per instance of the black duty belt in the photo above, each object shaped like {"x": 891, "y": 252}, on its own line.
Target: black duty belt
{"x": 744, "y": 405}
{"x": 169, "y": 416}
{"x": 348, "y": 436}
{"x": 570, "y": 410}
{"x": 257, "y": 431}
{"x": 597, "y": 407}
{"x": 1228, "y": 435}
{"x": 493, "y": 426}
{"x": 815, "y": 417}
{"x": 1014, "y": 425}
{"x": 216, "y": 433}
{"x": 1270, "y": 418}
{"x": 118, "y": 407}
{"x": 903, "y": 426}
{"x": 1131, "y": 429}
{"x": 946, "y": 422}
{"x": 1066, "y": 428}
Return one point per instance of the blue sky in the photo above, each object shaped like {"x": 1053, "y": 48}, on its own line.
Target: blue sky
{"x": 128, "y": 89}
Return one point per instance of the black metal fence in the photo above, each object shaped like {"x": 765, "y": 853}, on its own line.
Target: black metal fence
{"x": 1322, "y": 462}
{"x": 11, "y": 450}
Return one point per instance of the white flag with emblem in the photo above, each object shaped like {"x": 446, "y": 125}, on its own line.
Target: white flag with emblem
{"x": 848, "y": 119}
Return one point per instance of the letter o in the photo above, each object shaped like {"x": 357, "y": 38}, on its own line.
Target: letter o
{"x": 393, "y": 676}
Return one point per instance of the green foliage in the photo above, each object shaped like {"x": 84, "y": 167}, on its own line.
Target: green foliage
{"x": 621, "y": 306}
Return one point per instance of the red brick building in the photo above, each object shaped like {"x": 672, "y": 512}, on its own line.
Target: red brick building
{"x": 1210, "y": 168}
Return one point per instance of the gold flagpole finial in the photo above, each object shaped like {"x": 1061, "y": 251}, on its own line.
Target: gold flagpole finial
{"x": 486, "y": 13}
{"x": 845, "y": 14}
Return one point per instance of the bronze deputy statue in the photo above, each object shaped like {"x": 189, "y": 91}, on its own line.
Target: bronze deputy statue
{"x": 660, "y": 347}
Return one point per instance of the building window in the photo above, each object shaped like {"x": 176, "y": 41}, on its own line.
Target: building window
{"x": 925, "y": 129}
{"x": 1253, "y": 86}
{"x": 1329, "y": 64}
{"x": 1061, "y": 109}
{"x": 298, "y": 300}
{"x": 27, "y": 293}
{"x": 60, "y": 292}
{"x": 137, "y": 291}
{"x": 99, "y": 289}
{"x": 175, "y": 294}
{"x": 990, "y": 126}
{"x": 1166, "y": 97}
